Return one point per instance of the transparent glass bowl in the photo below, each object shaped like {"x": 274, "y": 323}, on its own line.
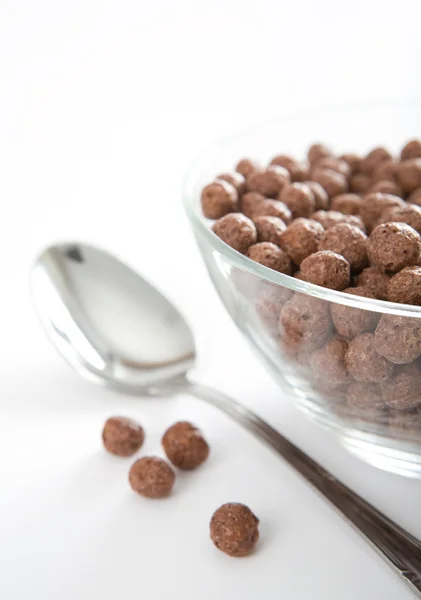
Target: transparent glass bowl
{"x": 288, "y": 338}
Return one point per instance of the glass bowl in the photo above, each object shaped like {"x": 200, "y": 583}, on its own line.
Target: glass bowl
{"x": 290, "y": 322}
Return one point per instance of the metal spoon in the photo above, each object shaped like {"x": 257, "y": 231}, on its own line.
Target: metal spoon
{"x": 115, "y": 328}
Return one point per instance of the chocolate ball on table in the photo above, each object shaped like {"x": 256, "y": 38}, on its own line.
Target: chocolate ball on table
{"x": 301, "y": 239}
{"x": 246, "y": 166}
{"x": 374, "y": 205}
{"x": 393, "y": 246}
{"x": 299, "y": 198}
{"x": 412, "y": 149}
{"x": 271, "y": 256}
{"x": 364, "y": 362}
{"x": 375, "y": 281}
{"x": 349, "y": 321}
{"x": 348, "y": 204}
{"x": 235, "y": 179}
{"x": 333, "y": 182}
{"x": 268, "y": 181}
{"x": 151, "y": 477}
{"x": 348, "y": 241}
{"x": 305, "y": 323}
{"x": 327, "y": 269}
{"x": 328, "y": 362}
{"x": 122, "y": 436}
{"x": 185, "y": 446}
{"x": 398, "y": 338}
{"x": 298, "y": 171}
{"x": 234, "y": 529}
{"x": 270, "y": 229}
{"x": 373, "y": 159}
{"x": 403, "y": 390}
{"x": 405, "y": 286}
{"x": 321, "y": 197}
{"x": 218, "y": 199}
{"x": 409, "y": 174}
{"x": 236, "y": 230}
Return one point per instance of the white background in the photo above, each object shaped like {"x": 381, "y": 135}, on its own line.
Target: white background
{"x": 103, "y": 105}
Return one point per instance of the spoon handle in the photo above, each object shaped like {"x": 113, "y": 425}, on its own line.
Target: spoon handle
{"x": 398, "y": 547}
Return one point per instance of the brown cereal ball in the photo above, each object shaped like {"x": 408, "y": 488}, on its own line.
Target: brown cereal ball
{"x": 317, "y": 151}
{"x": 321, "y": 198}
{"x": 122, "y": 436}
{"x": 375, "y": 281}
{"x": 268, "y": 305}
{"x": 349, "y": 321}
{"x": 373, "y": 160}
{"x": 348, "y": 204}
{"x": 386, "y": 187}
{"x": 405, "y": 286}
{"x": 364, "y": 362}
{"x": 299, "y": 198}
{"x": 359, "y": 183}
{"x": 374, "y": 205}
{"x": 185, "y": 446}
{"x": 250, "y": 202}
{"x": 403, "y": 390}
{"x": 353, "y": 161}
{"x": 398, "y": 338}
{"x": 333, "y": 182}
{"x": 151, "y": 477}
{"x": 301, "y": 239}
{"x": 327, "y": 269}
{"x": 408, "y": 213}
{"x": 235, "y": 179}
{"x": 246, "y": 166}
{"x": 415, "y": 197}
{"x": 270, "y": 229}
{"x": 385, "y": 171}
{"x": 234, "y": 529}
{"x": 365, "y": 396}
{"x": 412, "y": 149}
{"x": 268, "y": 181}
{"x": 328, "y": 362}
{"x": 298, "y": 171}
{"x": 236, "y": 230}
{"x": 273, "y": 208}
{"x": 333, "y": 163}
{"x": 349, "y": 241}
{"x": 218, "y": 199}
{"x": 393, "y": 246}
{"x": 271, "y": 256}
{"x": 409, "y": 174}
{"x": 405, "y": 423}
{"x": 304, "y": 323}
{"x": 330, "y": 218}
{"x": 300, "y": 276}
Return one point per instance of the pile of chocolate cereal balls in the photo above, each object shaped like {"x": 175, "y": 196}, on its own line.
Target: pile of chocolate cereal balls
{"x": 349, "y": 223}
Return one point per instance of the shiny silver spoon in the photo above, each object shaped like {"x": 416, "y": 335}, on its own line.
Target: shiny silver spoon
{"x": 115, "y": 328}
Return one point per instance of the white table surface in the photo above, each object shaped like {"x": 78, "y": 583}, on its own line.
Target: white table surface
{"x": 102, "y": 107}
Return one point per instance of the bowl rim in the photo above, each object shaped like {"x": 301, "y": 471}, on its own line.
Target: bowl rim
{"x": 201, "y": 225}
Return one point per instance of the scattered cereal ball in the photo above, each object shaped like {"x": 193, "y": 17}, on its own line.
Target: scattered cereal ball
{"x": 393, "y": 246}
{"x": 249, "y": 203}
{"x": 328, "y": 362}
{"x": 398, "y": 338}
{"x": 304, "y": 323}
{"x": 327, "y": 269}
{"x": 353, "y": 161}
{"x": 349, "y": 321}
{"x": 299, "y": 198}
{"x": 236, "y": 230}
{"x": 386, "y": 187}
{"x": 151, "y": 477}
{"x": 269, "y": 229}
{"x": 301, "y": 239}
{"x": 375, "y": 281}
{"x": 374, "y": 205}
{"x": 329, "y": 218}
{"x": 359, "y": 183}
{"x": 349, "y": 241}
{"x": 364, "y": 362}
{"x": 409, "y": 174}
{"x": 415, "y": 197}
{"x": 272, "y": 208}
{"x": 403, "y": 390}
{"x": 235, "y": 179}
{"x": 298, "y": 171}
{"x": 268, "y": 181}
{"x": 408, "y": 213}
{"x": 365, "y": 396}
{"x": 218, "y": 199}
{"x": 348, "y": 204}
{"x": 246, "y": 166}
{"x": 411, "y": 150}
{"x": 321, "y": 198}
{"x": 333, "y": 182}
{"x": 316, "y": 152}
{"x": 271, "y": 256}
{"x": 122, "y": 436}
{"x": 385, "y": 171}
{"x": 185, "y": 446}
{"x": 234, "y": 529}
{"x": 405, "y": 286}
{"x": 268, "y": 305}
{"x": 333, "y": 163}
{"x": 373, "y": 160}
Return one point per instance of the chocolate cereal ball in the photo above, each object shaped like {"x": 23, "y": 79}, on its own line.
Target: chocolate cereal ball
{"x": 272, "y": 208}
{"x": 374, "y": 205}
{"x": 364, "y": 362}
{"x": 298, "y": 171}
{"x": 411, "y": 150}
{"x": 301, "y": 239}
{"x": 271, "y": 256}
{"x": 398, "y": 338}
{"x": 234, "y": 529}
{"x": 409, "y": 174}
{"x": 363, "y": 396}
{"x": 185, "y": 446}
{"x": 268, "y": 181}
{"x": 333, "y": 182}
{"x": 269, "y": 302}
{"x": 386, "y": 187}
{"x": 270, "y": 229}
{"x": 385, "y": 171}
{"x": 327, "y": 269}
{"x": 349, "y": 321}
{"x": 353, "y": 161}
{"x": 151, "y": 477}
{"x": 415, "y": 197}
{"x": 299, "y": 199}
{"x": 359, "y": 183}
{"x": 328, "y": 362}
{"x": 375, "y": 281}
{"x": 122, "y": 436}
{"x": 316, "y": 152}
{"x": 373, "y": 160}
{"x": 408, "y": 213}
{"x": 348, "y": 241}
{"x": 218, "y": 199}
{"x": 304, "y": 323}
{"x": 249, "y": 203}
{"x": 246, "y": 166}
{"x": 329, "y": 218}
{"x": 403, "y": 390}
{"x": 348, "y": 204}
{"x": 331, "y": 162}
{"x": 405, "y": 423}
{"x": 393, "y": 246}
{"x": 236, "y": 230}
{"x": 235, "y": 179}
{"x": 405, "y": 286}
{"x": 321, "y": 198}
